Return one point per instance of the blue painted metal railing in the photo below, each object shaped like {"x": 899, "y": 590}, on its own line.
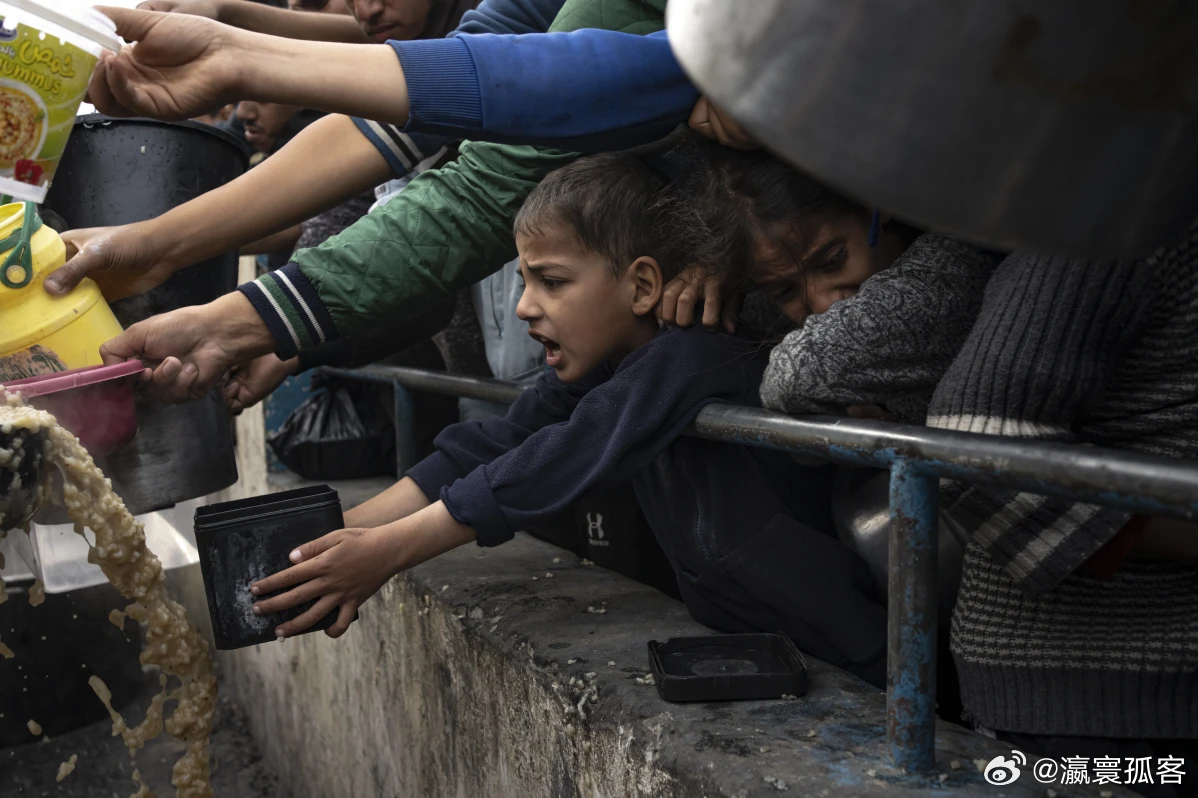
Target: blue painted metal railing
{"x": 917, "y": 458}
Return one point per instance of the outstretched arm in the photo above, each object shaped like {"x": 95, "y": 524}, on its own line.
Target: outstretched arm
{"x": 262, "y": 18}
{"x": 301, "y": 180}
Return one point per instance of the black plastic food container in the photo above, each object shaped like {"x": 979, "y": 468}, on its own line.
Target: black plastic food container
{"x": 243, "y": 541}
{"x": 735, "y": 667}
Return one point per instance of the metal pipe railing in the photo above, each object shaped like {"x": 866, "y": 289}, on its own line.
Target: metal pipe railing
{"x": 917, "y": 457}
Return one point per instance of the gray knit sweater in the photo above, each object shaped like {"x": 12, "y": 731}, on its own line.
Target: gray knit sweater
{"x": 1096, "y": 352}
{"x": 891, "y": 343}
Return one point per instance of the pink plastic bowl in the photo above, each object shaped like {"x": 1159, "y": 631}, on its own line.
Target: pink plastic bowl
{"x": 94, "y": 403}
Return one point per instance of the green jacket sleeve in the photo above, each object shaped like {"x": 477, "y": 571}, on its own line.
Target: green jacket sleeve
{"x": 449, "y": 229}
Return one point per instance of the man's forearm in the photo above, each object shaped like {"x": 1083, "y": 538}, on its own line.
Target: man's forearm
{"x": 329, "y": 162}
{"x": 291, "y": 24}
{"x": 338, "y": 78}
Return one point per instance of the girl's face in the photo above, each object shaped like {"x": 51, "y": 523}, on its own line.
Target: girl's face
{"x": 834, "y": 259}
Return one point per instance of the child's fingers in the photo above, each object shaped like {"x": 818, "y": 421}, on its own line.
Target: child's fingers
{"x": 315, "y": 548}
{"x": 344, "y": 619}
{"x": 669, "y": 300}
{"x": 731, "y": 310}
{"x": 287, "y": 578}
{"x": 711, "y": 302}
{"x": 292, "y": 598}
{"x": 317, "y": 611}
{"x": 687, "y": 300}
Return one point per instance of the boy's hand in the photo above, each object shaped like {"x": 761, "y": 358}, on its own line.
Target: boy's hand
{"x": 344, "y": 568}
{"x": 180, "y": 66}
{"x": 341, "y": 569}
{"x": 693, "y": 285}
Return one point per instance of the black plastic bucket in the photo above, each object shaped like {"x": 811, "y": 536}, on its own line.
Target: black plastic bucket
{"x": 243, "y": 541}
{"x": 122, "y": 171}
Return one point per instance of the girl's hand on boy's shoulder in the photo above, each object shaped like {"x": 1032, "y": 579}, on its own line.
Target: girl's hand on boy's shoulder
{"x": 341, "y": 569}
{"x": 693, "y": 285}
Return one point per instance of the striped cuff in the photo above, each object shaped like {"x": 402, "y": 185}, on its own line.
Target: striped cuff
{"x": 403, "y": 153}
{"x": 292, "y": 310}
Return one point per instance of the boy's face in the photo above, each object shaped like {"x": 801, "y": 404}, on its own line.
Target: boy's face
{"x": 382, "y": 20}
{"x": 576, "y": 308}
{"x": 834, "y": 260}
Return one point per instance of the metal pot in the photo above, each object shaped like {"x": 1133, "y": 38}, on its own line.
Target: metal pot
{"x": 861, "y": 511}
{"x": 121, "y": 171}
{"x": 1064, "y": 126}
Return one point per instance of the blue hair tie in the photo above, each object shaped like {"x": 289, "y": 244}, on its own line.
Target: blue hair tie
{"x": 875, "y": 229}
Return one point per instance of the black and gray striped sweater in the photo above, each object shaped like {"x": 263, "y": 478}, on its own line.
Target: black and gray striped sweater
{"x": 1098, "y": 352}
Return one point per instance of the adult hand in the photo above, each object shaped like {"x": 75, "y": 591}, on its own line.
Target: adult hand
{"x": 190, "y": 350}
{"x": 715, "y": 123}
{"x": 200, "y": 8}
{"x": 250, "y": 384}
{"x": 694, "y": 284}
{"x": 181, "y": 66}
{"x": 125, "y": 261}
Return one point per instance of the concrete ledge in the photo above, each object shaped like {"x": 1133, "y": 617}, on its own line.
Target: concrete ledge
{"x": 467, "y": 677}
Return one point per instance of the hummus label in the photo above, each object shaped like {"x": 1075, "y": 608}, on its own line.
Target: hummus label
{"x": 42, "y": 83}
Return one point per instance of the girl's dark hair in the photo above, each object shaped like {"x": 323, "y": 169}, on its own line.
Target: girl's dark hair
{"x": 727, "y": 200}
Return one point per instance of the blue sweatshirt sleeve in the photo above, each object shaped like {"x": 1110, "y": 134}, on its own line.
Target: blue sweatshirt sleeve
{"x": 616, "y": 429}
{"x": 588, "y": 90}
{"x": 404, "y": 151}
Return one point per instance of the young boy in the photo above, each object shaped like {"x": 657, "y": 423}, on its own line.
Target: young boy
{"x": 747, "y": 530}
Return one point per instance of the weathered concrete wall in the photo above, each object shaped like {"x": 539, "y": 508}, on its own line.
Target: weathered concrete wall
{"x": 465, "y": 677}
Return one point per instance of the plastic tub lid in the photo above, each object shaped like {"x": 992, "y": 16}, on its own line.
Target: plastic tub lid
{"x": 75, "y": 378}
{"x": 82, "y": 20}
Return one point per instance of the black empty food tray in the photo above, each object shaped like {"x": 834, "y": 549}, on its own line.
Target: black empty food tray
{"x": 727, "y": 667}
{"x": 243, "y": 541}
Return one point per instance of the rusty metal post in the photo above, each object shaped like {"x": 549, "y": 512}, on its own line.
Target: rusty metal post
{"x": 911, "y": 655}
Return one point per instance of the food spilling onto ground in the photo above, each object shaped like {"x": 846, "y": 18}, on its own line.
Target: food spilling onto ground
{"x": 172, "y": 642}
{"x": 66, "y": 768}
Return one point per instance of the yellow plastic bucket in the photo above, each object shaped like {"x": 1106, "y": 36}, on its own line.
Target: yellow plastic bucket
{"x": 41, "y": 334}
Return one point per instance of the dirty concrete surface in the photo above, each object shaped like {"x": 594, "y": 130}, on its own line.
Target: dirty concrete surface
{"x": 521, "y": 671}
{"x": 103, "y": 769}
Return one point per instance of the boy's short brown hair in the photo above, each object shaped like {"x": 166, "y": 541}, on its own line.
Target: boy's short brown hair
{"x": 612, "y": 203}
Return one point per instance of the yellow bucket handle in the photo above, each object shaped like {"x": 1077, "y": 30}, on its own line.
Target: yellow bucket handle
{"x": 22, "y": 249}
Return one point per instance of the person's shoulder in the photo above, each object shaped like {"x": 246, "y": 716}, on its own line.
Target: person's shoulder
{"x": 696, "y": 348}
{"x": 941, "y": 253}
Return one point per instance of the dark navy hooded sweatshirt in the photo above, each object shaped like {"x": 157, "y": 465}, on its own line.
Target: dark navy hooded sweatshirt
{"x": 747, "y": 530}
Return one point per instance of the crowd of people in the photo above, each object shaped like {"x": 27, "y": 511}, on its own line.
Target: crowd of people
{"x": 568, "y": 210}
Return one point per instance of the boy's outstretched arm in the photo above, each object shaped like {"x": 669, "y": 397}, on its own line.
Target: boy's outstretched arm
{"x": 346, "y": 567}
{"x": 402, "y": 499}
